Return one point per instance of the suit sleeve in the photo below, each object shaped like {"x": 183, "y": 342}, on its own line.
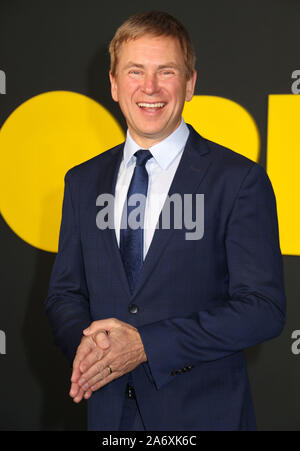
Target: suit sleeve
{"x": 255, "y": 308}
{"x": 67, "y": 304}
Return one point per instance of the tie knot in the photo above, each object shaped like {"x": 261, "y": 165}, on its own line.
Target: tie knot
{"x": 142, "y": 156}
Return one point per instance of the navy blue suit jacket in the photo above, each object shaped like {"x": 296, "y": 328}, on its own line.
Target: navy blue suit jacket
{"x": 200, "y": 303}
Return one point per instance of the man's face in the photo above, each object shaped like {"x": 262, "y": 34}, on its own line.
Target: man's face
{"x": 151, "y": 87}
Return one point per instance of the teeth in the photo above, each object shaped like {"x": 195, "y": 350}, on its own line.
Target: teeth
{"x": 151, "y": 105}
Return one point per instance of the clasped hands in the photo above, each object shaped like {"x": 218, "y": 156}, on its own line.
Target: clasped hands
{"x": 108, "y": 349}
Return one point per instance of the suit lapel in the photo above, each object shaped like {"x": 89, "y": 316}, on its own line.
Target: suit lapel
{"x": 191, "y": 170}
{"x": 106, "y": 185}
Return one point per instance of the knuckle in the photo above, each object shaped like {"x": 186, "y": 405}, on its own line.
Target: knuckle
{"x": 99, "y": 367}
{"x": 101, "y": 334}
{"x": 93, "y": 325}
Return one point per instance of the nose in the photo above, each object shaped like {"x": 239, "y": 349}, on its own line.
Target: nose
{"x": 150, "y": 84}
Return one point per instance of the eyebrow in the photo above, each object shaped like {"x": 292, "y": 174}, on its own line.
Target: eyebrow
{"x": 161, "y": 66}
{"x": 132, "y": 64}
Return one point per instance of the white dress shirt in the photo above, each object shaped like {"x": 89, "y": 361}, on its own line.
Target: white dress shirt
{"x": 161, "y": 170}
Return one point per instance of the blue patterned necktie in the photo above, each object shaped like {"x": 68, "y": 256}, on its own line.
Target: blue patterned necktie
{"x": 132, "y": 239}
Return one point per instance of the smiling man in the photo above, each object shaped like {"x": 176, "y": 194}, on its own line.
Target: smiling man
{"x": 151, "y": 84}
{"x": 153, "y": 323}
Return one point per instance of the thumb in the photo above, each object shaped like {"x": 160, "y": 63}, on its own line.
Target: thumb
{"x": 101, "y": 336}
{"x": 102, "y": 325}
{"x": 102, "y": 339}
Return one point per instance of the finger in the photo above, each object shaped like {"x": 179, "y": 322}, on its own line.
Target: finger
{"x": 93, "y": 371}
{"x": 104, "y": 382}
{"x": 91, "y": 359}
{"x": 79, "y": 396}
{"x": 88, "y": 394}
{"x": 78, "y": 393}
{"x": 83, "y": 350}
{"x": 74, "y": 390}
{"x": 98, "y": 378}
{"x": 76, "y": 374}
{"x": 102, "y": 339}
{"x": 105, "y": 324}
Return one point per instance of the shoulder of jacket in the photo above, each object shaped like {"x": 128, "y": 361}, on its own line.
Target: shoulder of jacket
{"x": 87, "y": 167}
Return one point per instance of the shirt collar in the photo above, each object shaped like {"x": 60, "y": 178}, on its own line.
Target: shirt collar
{"x": 164, "y": 152}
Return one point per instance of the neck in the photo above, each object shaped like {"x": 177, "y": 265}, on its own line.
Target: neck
{"x": 146, "y": 141}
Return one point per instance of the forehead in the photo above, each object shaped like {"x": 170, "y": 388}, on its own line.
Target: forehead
{"x": 151, "y": 49}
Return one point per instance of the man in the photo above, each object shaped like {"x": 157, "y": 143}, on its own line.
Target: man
{"x": 154, "y": 320}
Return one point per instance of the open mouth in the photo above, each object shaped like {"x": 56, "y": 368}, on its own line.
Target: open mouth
{"x": 151, "y": 106}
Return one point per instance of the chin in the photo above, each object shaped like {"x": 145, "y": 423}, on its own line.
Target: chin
{"x": 149, "y": 131}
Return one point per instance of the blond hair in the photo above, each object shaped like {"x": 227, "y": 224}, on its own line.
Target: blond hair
{"x": 155, "y": 23}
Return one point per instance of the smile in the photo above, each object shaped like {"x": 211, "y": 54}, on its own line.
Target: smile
{"x": 151, "y": 105}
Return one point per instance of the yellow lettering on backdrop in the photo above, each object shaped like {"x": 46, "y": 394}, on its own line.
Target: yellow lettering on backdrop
{"x": 50, "y": 133}
{"x": 224, "y": 122}
{"x": 283, "y": 166}
{"x": 43, "y": 138}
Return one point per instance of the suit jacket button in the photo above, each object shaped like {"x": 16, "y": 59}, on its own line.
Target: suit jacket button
{"x": 133, "y": 308}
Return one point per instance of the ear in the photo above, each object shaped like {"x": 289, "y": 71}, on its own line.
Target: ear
{"x": 113, "y": 87}
{"x": 190, "y": 87}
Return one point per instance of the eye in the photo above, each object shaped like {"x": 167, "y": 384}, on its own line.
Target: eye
{"x": 135, "y": 72}
{"x": 167, "y": 73}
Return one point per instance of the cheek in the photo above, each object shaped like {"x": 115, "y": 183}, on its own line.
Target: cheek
{"x": 128, "y": 93}
{"x": 177, "y": 92}
{"x": 178, "y": 101}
